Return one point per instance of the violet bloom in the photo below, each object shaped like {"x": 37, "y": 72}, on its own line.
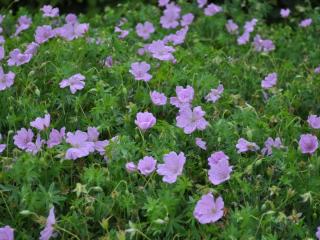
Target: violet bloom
{"x": 215, "y": 94}
{"x": 43, "y": 34}
{"x": 171, "y": 15}
{"x": 219, "y": 169}
{"x": 314, "y": 121}
{"x": 244, "y": 146}
{"x": 56, "y": 137}
{"x": 212, "y": 9}
{"x": 244, "y": 38}
{"x": 263, "y": 45}
{"x": 308, "y": 143}
{"x": 184, "y": 97}
{"x": 71, "y": 31}
{"x": 1, "y": 53}
{"x": 6, "y": 79}
{"x": 48, "y": 231}
{"x": 93, "y": 136}
{"x": 108, "y": 62}
{"x": 123, "y": 33}
{"x": 317, "y": 70}
{"x": 250, "y": 25}
{"x": 201, "y": 144}
{"x": 318, "y": 233}
{"x": 131, "y": 167}
{"x": 191, "y": 120}
{"x": 269, "y": 144}
{"x": 71, "y": 18}
{"x": 145, "y": 120}
{"x": 216, "y": 157}
{"x": 35, "y": 147}
{"x": 147, "y": 165}
{"x": 187, "y": 19}
{"x": 41, "y": 123}
{"x": 305, "y": 23}
{"x": 163, "y": 3}
{"x": 232, "y": 27}
{"x": 16, "y": 58}
{"x": 201, "y": 3}
{"x": 81, "y": 146}
{"x": 75, "y": 83}
{"x": 140, "y": 71}
{"x": 178, "y": 37}
{"x": 158, "y": 98}
{"x": 49, "y": 11}
{"x": 208, "y": 209}
{"x": 160, "y": 51}
{"x": 285, "y": 13}
{"x": 144, "y": 30}
{"x": 2, "y": 147}
{"x": 22, "y": 138}
{"x": 31, "y": 48}
{"x": 172, "y": 167}
{"x": 6, "y": 233}
{"x": 269, "y": 81}
{"x": 24, "y": 23}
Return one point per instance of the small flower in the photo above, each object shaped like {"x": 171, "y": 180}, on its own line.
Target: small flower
{"x": 184, "y": 97}
{"x": 93, "y": 136}
{"x": 171, "y": 16}
{"x": 201, "y": 144}
{"x": 2, "y": 53}
{"x": 108, "y": 62}
{"x": 48, "y": 231}
{"x": 212, "y": 9}
{"x": 43, "y": 34}
{"x": 305, "y": 23}
{"x": 317, "y": 69}
{"x": 31, "y": 48}
{"x": 250, "y": 25}
{"x": 71, "y": 31}
{"x": 49, "y": 11}
{"x": 131, "y": 167}
{"x": 172, "y": 167}
{"x": 215, "y": 94}
{"x": 318, "y": 233}
{"x": 56, "y": 137}
{"x": 263, "y": 45}
{"x": 160, "y": 51}
{"x": 191, "y": 120}
{"x": 35, "y": 147}
{"x": 41, "y": 123}
{"x": 16, "y": 58}
{"x": 208, "y": 209}
{"x": 308, "y": 143}
{"x": 75, "y": 82}
{"x": 140, "y": 71}
{"x": 178, "y": 37}
{"x": 6, "y": 79}
{"x": 232, "y": 27}
{"x": 6, "y": 233}
{"x": 219, "y": 168}
{"x": 244, "y": 146}
{"x": 145, "y": 120}
{"x": 201, "y": 3}
{"x": 71, "y": 18}
{"x": 22, "y": 138}
{"x": 2, "y": 147}
{"x": 147, "y": 165}
{"x": 162, "y": 3}
{"x": 81, "y": 146}
{"x": 269, "y": 144}
{"x": 244, "y": 38}
{"x": 24, "y": 23}
{"x": 144, "y": 30}
{"x": 314, "y": 121}
{"x": 285, "y": 13}
{"x": 158, "y": 98}
{"x": 269, "y": 81}
{"x": 216, "y": 157}
{"x": 123, "y": 33}
{"x": 187, "y": 19}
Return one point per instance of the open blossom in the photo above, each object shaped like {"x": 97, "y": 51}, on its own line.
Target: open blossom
{"x": 48, "y": 231}
{"x": 250, "y": 25}
{"x": 160, "y": 51}
{"x": 269, "y": 81}
{"x": 244, "y": 38}
{"x": 215, "y": 94}
{"x": 269, "y": 144}
{"x": 147, "y": 165}
{"x": 56, "y": 137}
{"x": 212, "y": 9}
{"x": 158, "y": 98}
{"x": 6, "y": 233}
{"x": 35, "y": 147}
{"x": 6, "y": 79}
{"x": 201, "y": 144}
{"x": 216, "y": 157}
{"x": 178, "y": 37}
{"x": 71, "y": 31}
{"x": 308, "y": 143}
{"x": 187, "y": 19}
{"x": 108, "y": 62}
{"x": 219, "y": 168}
{"x": 16, "y": 58}
{"x": 140, "y": 71}
{"x": 131, "y": 167}
{"x": 144, "y": 30}
{"x": 31, "y": 48}
{"x": 22, "y": 138}
{"x": 24, "y": 23}
{"x": 49, "y": 11}
{"x": 81, "y": 146}
{"x": 184, "y": 97}
{"x": 171, "y": 15}
{"x": 201, "y": 3}
{"x": 244, "y": 146}
{"x": 208, "y": 209}
{"x": 232, "y": 27}
{"x": 262, "y": 45}
{"x": 172, "y": 167}
{"x": 305, "y": 23}
{"x": 43, "y": 34}
{"x": 162, "y": 3}
{"x": 122, "y": 33}
{"x": 191, "y": 120}
{"x": 2, "y": 147}
{"x": 145, "y": 120}
{"x": 285, "y": 13}
{"x": 1, "y": 53}
{"x": 314, "y": 121}
{"x": 318, "y": 233}
{"x": 93, "y": 136}
{"x": 75, "y": 83}
{"x": 41, "y": 123}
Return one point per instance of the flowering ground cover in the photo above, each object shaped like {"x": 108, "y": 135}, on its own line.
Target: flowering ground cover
{"x": 168, "y": 120}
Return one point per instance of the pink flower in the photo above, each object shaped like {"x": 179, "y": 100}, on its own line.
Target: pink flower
{"x": 201, "y": 144}
{"x": 75, "y": 82}
{"x": 285, "y": 13}
{"x": 201, "y": 3}
{"x": 2, "y": 147}
{"x": 44, "y": 33}
{"x": 208, "y": 209}
{"x": 56, "y": 137}
{"x": 145, "y": 120}
{"x": 47, "y": 232}
{"x": 305, "y": 23}
{"x": 212, "y": 9}
{"x": 35, "y": 147}
{"x": 23, "y": 24}
{"x": 178, "y": 37}
{"x": 49, "y": 11}
{"x": 147, "y": 165}
{"x": 160, "y": 51}
{"x": 162, "y": 3}
{"x": 184, "y": 97}
{"x": 140, "y": 71}
{"x": 244, "y": 38}
{"x": 187, "y": 19}
{"x": 93, "y": 136}
{"x": 216, "y": 157}
{"x": 158, "y": 98}
{"x": 172, "y": 167}
{"x": 41, "y": 123}
{"x": 16, "y": 58}
{"x": 6, "y": 80}
{"x": 131, "y": 167}
{"x": 144, "y": 30}
{"x": 250, "y": 25}
{"x": 314, "y": 121}
{"x": 215, "y": 94}
{"x": 22, "y": 138}
{"x": 244, "y": 146}
{"x": 6, "y": 233}
{"x": 269, "y": 81}
{"x": 308, "y": 143}
{"x": 170, "y": 16}
{"x": 81, "y": 146}
{"x": 71, "y": 18}
{"x": 191, "y": 120}
{"x": 219, "y": 168}
{"x": 232, "y": 27}
{"x": 263, "y": 45}
{"x": 71, "y": 31}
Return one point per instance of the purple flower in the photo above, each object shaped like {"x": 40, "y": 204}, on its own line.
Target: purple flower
{"x": 6, "y": 79}
{"x": 170, "y": 16}
{"x": 71, "y": 18}
{"x": 219, "y": 168}
{"x": 31, "y": 48}
{"x": 147, "y": 165}
{"x": 131, "y": 167}
{"x": 285, "y": 13}
{"x": 250, "y": 25}
{"x": 93, "y": 136}
{"x": 318, "y": 233}
{"x": 144, "y": 30}
{"x": 263, "y": 45}
{"x": 212, "y": 9}
{"x": 178, "y": 37}
{"x": 201, "y": 3}
{"x": 314, "y": 121}
{"x": 47, "y": 232}
{"x": 16, "y": 58}
{"x": 1, "y": 53}
{"x": 108, "y": 62}
{"x": 269, "y": 81}
{"x": 187, "y": 19}
{"x": 232, "y": 27}
{"x": 41, "y": 123}
{"x": 308, "y": 143}
{"x": 22, "y": 138}
{"x": 201, "y": 144}
{"x": 56, "y": 137}
{"x": 6, "y": 233}
{"x": 191, "y": 120}
{"x": 317, "y": 70}
{"x": 172, "y": 167}
{"x": 305, "y": 23}
{"x": 160, "y": 51}
{"x": 158, "y": 98}
{"x": 162, "y": 3}
{"x": 215, "y": 94}
{"x": 244, "y": 38}
{"x": 49, "y": 11}
{"x": 184, "y": 97}
{"x": 35, "y": 147}
{"x": 244, "y": 146}
{"x": 269, "y": 144}
{"x": 24, "y": 23}
{"x": 43, "y": 34}
{"x": 123, "y": 33}
{"x": 145, "y": 120}
{"x": 75, "y": 82}
{"x": 208, "y": 209}
{"x": 140, "y": 71}
{"x": 81, "y": 146}
{"x": 71, "y": 31}
{"x": 2, "y": 147}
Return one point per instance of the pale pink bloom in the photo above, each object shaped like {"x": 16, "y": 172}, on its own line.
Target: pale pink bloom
{"x": 41, "y": 123}
{"x": 184, "y": 97}
{"x": 75, "y": 82}
{"x": 49, "y": 11}
{"x": 215, "y": 94}
{"x": 44, "y": 33}
{"x": 158, "y": 98}
{"x": 56, "y": 137}
{"x": 212, "y": 9}
{"x": 232, "y": 27}
{"x": 131, "y": 167}
{"x": 6, "y": 79}
{"x": 172, "y": 167}
{"x": 147, "y": 165}
{"x": 144, "y": 30}
{"x": 191, "y": 120}
{"x": 285, "y": 13}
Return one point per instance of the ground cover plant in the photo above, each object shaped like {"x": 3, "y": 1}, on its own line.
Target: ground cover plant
{"x": 168, "y": 120}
